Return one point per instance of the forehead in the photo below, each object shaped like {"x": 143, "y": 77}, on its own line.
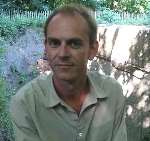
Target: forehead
{"x": 67, "y": 23}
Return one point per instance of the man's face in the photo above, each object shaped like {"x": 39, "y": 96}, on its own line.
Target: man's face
{"x": 67, "y": 46}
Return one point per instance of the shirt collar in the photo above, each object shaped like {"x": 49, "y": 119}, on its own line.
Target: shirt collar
{"x": 96, "y": 81}
{"x": 51, "y": 98}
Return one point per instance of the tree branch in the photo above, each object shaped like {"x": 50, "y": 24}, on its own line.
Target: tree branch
{"x": 127, "y": 67}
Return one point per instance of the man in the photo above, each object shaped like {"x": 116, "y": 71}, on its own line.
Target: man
{"x": 70, "y": 104}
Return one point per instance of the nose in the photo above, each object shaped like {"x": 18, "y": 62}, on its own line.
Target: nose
{"x": 64, "y": 50}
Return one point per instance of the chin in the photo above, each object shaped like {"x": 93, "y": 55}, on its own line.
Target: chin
{"x": 66, "y": 77}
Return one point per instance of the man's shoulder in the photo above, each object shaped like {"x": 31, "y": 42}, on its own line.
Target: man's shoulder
{"x": 107, "y": 84}
{"x": 30, "y": 95}
{"x": 31, "y": 88}
{"x": 103, "y": 79}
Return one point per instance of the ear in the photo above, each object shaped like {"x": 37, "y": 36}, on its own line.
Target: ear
{"x": 93, "y": 50}
{"x": 45, "y": 50}
{"x": 45, "y": 42}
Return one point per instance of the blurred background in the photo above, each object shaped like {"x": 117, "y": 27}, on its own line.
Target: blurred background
{"x": 124, "y": 53}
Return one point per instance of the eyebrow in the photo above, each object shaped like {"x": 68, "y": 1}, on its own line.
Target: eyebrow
{"x": 74, "y": 39}
{"x": 52, "y": 38}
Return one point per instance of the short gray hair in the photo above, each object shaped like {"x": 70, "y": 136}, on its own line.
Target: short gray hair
{"x": 72, "y": 10}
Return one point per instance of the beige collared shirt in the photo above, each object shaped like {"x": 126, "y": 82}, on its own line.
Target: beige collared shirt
{"x": 38, "y": 114}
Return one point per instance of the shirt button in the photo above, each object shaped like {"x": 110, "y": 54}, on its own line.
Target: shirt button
{"x": 80, "y": 134}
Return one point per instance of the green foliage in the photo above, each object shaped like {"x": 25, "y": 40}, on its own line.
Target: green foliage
{"x": 132, "y": 6}
{"x": 2, "y": 50}
{"x": 107, "y": 16}
{"x": 9, "y": 28}
{"x": 6, "y": 125}
{"x": 33, "y": 5}
{"x": 2, "y": 92}
{"x": 91, "y": 4}
{"x": 5, "y": 122}
{"x": 56, "y": 3}
{"x": 2, "y": 84}
{"x": 22, "y": 4}
{"x": 136, "y": 6}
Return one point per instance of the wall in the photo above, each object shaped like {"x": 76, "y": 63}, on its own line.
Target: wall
{"x": 124, "y": 53}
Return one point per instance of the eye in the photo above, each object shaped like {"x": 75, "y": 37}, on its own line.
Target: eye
{"x": 75, "y": 43}
{"x": 53, "y": 43}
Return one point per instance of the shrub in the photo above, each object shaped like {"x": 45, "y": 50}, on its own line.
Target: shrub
{"x": 107, "y": 16}
{"x": 2, "y": 85}
{"x": 2, "y": 92}
{"x": 10, "y": 28}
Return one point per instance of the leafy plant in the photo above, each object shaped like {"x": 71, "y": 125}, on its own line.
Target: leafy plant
{"x": 107, "y": 16}
{"x": 2, "y": 92}
{"x": 132, "y": 6}
{"x": 10, "y": 28}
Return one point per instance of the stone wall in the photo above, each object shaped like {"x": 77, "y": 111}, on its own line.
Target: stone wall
{"x": 124, "y": 53}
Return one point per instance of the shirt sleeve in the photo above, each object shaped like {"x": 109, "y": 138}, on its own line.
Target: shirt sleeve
{"x": 119, "y": 128}
{"x": 23, "y": 125}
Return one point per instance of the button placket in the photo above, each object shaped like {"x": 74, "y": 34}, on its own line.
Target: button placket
{"x": 80, "y": 134}
{"x": 80, "y": 131}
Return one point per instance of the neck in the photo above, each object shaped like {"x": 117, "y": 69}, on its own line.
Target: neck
{"x": 72, "y": 92}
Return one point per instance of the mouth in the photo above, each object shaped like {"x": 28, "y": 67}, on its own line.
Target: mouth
{"x": 64, "y": 65}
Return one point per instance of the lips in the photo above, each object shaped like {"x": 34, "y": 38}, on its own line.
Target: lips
{"x": 64, "y": 65}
